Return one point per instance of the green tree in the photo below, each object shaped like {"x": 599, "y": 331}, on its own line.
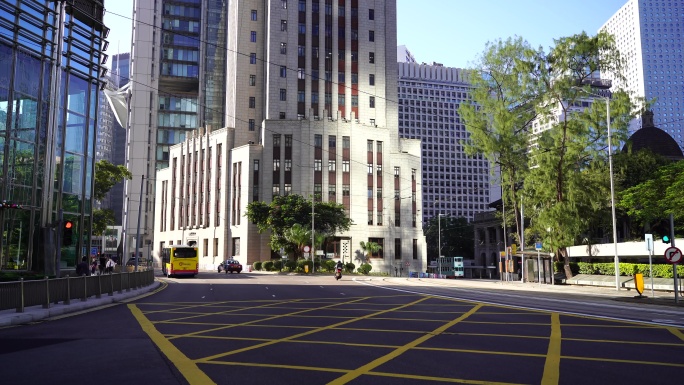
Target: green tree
{"x": 568, "y": 181}
{"x": 106, "y": 176}
{"x": 286, "y": 211}
{"x": 502, "y": 112}
{"x": 457, "y": 237}
{"x": 369, "y": 248}
{"x": 298, "y": 236}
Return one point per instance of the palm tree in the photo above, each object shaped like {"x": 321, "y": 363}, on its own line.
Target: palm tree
{"x": 369, "y": 248}
{"x": 299, "y": 236}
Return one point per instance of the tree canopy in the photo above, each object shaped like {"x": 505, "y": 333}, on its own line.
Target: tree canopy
{"x": 284, "y": 212}
{"x": 106, "y": 176}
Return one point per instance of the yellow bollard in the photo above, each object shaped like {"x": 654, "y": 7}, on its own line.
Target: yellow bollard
{"x": 306, "y": 268}
{"x": 639, "y": 283}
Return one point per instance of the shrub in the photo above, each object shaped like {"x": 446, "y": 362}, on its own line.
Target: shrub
{"x": 349, "y": 267}
{"x": 291, "y": 265}
{"x": 303, "y": 262}
{"x": 267, "y": 266}
{"x": 257, "y": 265}
{"x": 365, "y": 268}
{"x": 628, "y": 269}
{"x": 277, "y": 265}
{"x": 330, "y": 265}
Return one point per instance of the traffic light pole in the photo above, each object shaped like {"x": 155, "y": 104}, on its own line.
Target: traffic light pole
{"x": 674, "y": 265}
{"x": 60, "y": 231}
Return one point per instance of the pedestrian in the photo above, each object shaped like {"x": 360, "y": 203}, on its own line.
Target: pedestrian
{"x": 110, "y": 265}
{"x": 103, "y": 264}
{"x": 93, "y": 267}
{"x": 82, "y": 267}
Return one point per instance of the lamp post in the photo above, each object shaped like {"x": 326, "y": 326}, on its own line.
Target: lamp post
{"x": 439, "y": 242}
{"x": 612, "y": 187}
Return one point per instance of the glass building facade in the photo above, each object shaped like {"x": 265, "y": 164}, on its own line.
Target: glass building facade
{"x": 50, "y": 58}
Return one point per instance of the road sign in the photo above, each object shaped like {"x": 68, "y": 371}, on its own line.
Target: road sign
{"x": 93, "y": 251}
{"x": 307, "y": 249}
{"x": 408, "y": 264}
{"x": 648, "y": 238}
{"x": 673, "y": 255}
{"x": 538, "y": 246}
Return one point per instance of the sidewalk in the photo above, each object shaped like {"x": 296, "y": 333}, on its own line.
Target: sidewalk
{"x": 36, "y": 313}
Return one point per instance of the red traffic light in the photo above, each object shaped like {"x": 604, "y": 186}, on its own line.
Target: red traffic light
{"x": 68, "y": 224}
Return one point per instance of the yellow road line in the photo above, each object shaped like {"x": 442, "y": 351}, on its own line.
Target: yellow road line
{"x": 617, "y": 361}
{"x": 219, "y": 313}
{"x": 552, "y": 365}
{"x": 399, "y": 351}
{"x": 676, "y": 332}
{"x": 439, "y": 379}
{"x": 185, "y": 366}
{"x": 306, "y": 333}
{"x": 264, "y": 319}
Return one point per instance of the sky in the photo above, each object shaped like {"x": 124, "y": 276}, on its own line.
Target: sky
{"x": 451, "y": 32}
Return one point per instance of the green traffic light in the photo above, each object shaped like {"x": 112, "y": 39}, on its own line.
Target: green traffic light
{"x": 666, "y": 239}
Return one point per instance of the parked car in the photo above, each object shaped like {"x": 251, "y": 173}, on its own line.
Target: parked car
{"x": 230, "y": 265}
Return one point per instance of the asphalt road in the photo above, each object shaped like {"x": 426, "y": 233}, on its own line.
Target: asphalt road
{"x": 262, "y": 329}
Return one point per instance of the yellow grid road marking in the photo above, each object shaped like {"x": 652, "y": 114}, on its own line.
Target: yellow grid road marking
{"x": 676, "y": 332}
{"x": 224, "y": 312}
{"x": 306, "y": 333}
{"x": 399, "y": 351}
{"x": 618, "y": 361}
{"x": 185, "y": 366}
{"x": 552, "y": 365}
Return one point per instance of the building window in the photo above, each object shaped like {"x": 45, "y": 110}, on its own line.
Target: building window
{"x": 370, "y": 217}
{"x": 252, "y": 80}
{"x": 379, "y": 220}
{"x": 379, "y": 253}
{"x": 283, "y": 71}
{"x": 283, "y": 3}
{"x": 302, "y": 28}
{"x": 331, "y": 165}
{"x": 396, "y": 172}
{"x": 355, "y": 56}
{"x": 302, "y": 6}
{"x": 276, "y": 190}
{"x": 340, "y": 99}
{"x": 251, "y": 124}
{"x": 371, "y": 102}
{"x": 282, "y": 115}
{"x": 300, "y": 51}
{"x": 340, "y": 77}
{"x": 331, "y": 192}
{"x": 415, "y": 249}
{"x": 300, "y": 73}
{"x": 300, "y": 96}
{"x": 355, "y": 78}
{"x": 254, "y": 15}
{"x": 252, "y": 102}
{"x": 397, "y": 248}
{"x": 345, "y": 166}
{"x": 345, "y": 190}
{"x": 371, "y": 57}
{"x": 252, "y": 58}
{"x": 371, "y": 14}
{"x": 318, "y": 141}
{"x": 370, "y": 168}
{"x": 371, "y": 79}
{"x": 276, "y": 164}
{"x": 288, "y": 164}
{"x": 345, "y": 142}
{"x": 318, "y": 164}
{"x": 252, "y": 37}
{"x": 314, "y": 97}
{"x": 283, "y": 25}
{"x": 371, "y": 35}
{"x": 283, "y": 94}
{"x": 332, "y": 141}
{"x": 283, "y": 48}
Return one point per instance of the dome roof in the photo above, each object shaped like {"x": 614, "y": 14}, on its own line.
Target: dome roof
{"x": 655, "y": 139}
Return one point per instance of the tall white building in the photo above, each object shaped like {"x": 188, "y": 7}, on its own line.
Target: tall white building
{"x": 650, "y": 34}
{"x": 309, "y": 109}
{"x": 453, "y": 183}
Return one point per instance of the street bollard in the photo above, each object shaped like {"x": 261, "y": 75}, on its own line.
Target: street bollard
{"x": 46, "y": 305}
{"x": 20, "y": 308}
{"x": 67, "y": 301}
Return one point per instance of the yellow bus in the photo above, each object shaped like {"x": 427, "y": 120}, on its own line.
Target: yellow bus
{"x": 180, "y": 260}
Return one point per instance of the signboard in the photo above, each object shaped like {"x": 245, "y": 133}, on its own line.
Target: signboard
{"x": 408, "y": 264}
{"x": 649, "y": 241}
{"x": 673, "y": 255}
{"x": 93, "y": 251}
{"x": 433, "y": 263}
{"x": 538, "y": 246}
{"x": 307, "y": 249}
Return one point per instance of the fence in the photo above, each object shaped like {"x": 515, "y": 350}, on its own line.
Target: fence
{"x": 44, "y": 292}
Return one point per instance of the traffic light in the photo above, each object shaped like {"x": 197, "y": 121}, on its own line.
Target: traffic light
{"x": 67, "y": 233}
{"x": 666, "y": 239}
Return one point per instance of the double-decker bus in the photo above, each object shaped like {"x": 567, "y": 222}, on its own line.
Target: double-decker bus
{"x": 451, "y": 266}
{"x": 180, "y": 260}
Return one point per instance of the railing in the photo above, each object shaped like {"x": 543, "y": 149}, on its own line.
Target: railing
{"x": 45, "y": 292}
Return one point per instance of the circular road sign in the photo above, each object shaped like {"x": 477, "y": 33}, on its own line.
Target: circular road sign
{"x": 673, "y": 255}
{"x": 408, "y": 264}
{"x": 307, "y": 249}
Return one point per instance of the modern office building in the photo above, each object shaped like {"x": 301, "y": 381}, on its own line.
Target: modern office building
{"x": 310, "y": 109}
{"x": 51, "y": 54}
{"x": 178, "y": 82}
{"x": 650, "y": 35}
{"x": 453, "y": 184}
{"x": 404, "y": 55}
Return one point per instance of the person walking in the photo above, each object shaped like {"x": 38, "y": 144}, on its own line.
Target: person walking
{"x": 82, "y": 267}
{"x": 93, "y": 267}
{"x": 103, "y": 264}
{"x": 110, "y": 265}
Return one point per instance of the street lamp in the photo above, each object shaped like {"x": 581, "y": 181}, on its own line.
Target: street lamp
{"x": 439, "y": 242}
{"x": 612, "y": 188}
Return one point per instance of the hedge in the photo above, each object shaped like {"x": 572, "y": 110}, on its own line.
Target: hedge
{"x": 626, "y": 269}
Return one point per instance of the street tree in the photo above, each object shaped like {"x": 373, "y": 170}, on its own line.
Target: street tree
{"x": 568, "y": 181}
{"x": 501, "y": 114}
{"x": 369, "y": 248}
{"x": 106, "y": 176}
{"x": 283, "y": 212}
{"x": 299, "y": 236}
{"x": 457, "y": 237}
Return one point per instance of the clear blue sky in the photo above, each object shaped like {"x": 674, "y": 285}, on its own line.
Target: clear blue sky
{"x": 452, "y": 32}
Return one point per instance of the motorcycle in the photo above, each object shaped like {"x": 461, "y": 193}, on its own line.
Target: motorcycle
{"x": 338, "y": 273}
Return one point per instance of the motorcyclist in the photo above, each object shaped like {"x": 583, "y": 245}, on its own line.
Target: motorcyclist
{"x": 339, "y": 265}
